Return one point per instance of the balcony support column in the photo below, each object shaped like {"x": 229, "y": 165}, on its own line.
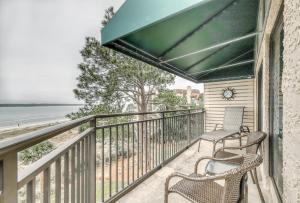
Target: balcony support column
{"x": 8, "y": 178}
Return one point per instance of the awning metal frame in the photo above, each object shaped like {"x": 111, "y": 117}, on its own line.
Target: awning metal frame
{"x": 206, "y": 72}
{"x": 205, "y": 58}
{"x": 224, "y": 67}
{"x": 148, "y": 58}
{"x": 214, "y": 46}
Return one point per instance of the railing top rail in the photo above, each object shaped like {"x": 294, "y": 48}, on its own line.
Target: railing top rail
{"x": 29, "y": 139}
{"x": 143, "y": 113}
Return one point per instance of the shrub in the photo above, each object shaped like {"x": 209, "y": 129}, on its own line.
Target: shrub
{"x": 36, "y": 152}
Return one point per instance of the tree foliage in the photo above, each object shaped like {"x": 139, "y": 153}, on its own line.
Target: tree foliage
{"x": 108, "y": 79}
{"x": 168, "y": 100}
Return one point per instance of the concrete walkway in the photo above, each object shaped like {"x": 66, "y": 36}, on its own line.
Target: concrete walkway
{"x": 152, "y": 189}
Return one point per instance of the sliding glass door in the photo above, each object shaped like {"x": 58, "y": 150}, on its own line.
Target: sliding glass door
{"x": 276, "y": 107}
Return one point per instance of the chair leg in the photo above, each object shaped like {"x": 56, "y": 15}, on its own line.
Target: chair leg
{"x": 223, "y": 143}
{"x": 214, "y": 148}
{"x": 240, "y": 141}
{"x": 252, "y": 177}
{"x": 243, "y": 190}
{"x": 199, "y": 145}
{"x": 258, "y": 187}
{"x": 166, "y": 197}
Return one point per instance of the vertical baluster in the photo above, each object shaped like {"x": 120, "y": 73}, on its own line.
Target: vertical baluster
{"x": 66, "y": 177}
{"x": 173, "y": 135}
{"x": 58, "y": 180}
{"x": 177, "y": 134}
{"x": 162, "y": 137}
{"x": 153, "y": 143}
{"x": 149, "y": 145}
{"x": 46, "y": 185}
{"x": 78, "y": 172}
{"x": 122, "y": 156}
{"x": 117, "y": 158}
{"x": 102, "y": 167}
{"x": 146, "y": 147}
{"x": 180, "y": 131}
{"x": 169, "y": 138}
{"x": 138, "y": 149}
{"x": 153, "y": 134}
{"x": 110, "y": 161}
{"x": 156, "y": 141}
{"x": 73, "y": 175}
{"x": 133, "y": 152}
{"x": 30, "y": 191}
{"x": 86, "y": 171}
{"x": 128, "y": 154}
{"x": 92, "y": 162}
{"x": 142, "y": 146}
{"x": 82, "y": 171}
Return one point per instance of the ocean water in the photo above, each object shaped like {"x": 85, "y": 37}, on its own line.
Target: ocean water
{"x": 11, "y": 117}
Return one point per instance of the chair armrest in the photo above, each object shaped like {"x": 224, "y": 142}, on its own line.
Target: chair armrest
{"x": 230, "y": 148}
{"x": 228, "y": 138}
{"x": 216, "y": 125}
{"x": 196, "y": 179}
{"x": 215, "y": 159}
{"x": 244, "y": 129}
{"x": 236, "y": 138}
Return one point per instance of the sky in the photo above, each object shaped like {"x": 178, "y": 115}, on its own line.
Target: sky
{"x": 39, "y": 47}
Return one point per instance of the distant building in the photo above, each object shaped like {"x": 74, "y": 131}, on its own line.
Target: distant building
{"x": 193, "y": 96}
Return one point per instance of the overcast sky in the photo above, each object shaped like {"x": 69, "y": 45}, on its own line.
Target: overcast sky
{"x": 40, "y": 42}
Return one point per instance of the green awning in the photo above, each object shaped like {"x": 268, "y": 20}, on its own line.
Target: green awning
{"x": 200, "y": 40}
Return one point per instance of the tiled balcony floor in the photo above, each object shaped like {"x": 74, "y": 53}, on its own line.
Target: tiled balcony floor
{"x": 152, "y": 189}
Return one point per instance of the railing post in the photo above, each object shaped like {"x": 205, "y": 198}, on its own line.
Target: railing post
{"x": 92, "y": 165}
{"x": 189, "y": 128}
{"x": 8, "y": 178}
{"x": 163, "y": 136}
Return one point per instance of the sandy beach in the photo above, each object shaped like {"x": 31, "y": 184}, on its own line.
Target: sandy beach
{"x": 13, "y": 132}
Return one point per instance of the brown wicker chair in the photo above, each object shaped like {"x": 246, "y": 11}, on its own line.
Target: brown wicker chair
{"x": 232, "y": 125}
{"x": 254, "y": 141}
{"x": 203, "y": 189}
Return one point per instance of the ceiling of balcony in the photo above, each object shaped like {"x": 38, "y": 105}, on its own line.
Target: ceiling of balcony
{"x": 200, "y": 40}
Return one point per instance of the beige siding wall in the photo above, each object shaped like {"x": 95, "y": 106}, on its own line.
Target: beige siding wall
{"x": 214, "y": 103}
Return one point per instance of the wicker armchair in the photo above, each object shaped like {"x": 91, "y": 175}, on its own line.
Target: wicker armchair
{"x": 232, "y": 125}
{"x": 201, "y": 188}
{"x": 254, "y": 141}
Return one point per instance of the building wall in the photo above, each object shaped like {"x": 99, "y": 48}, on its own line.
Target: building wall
{"x": 291, "y": 101}
{"x": 291, "y": 94}
{"x": 214, "y": 103}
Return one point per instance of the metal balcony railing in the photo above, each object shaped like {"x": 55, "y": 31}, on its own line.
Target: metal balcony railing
{"x": 108, "y": 158}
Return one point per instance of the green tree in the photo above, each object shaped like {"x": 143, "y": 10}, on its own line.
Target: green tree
{"x": 168, "y": 100}
{"x": 108, "y": 79}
